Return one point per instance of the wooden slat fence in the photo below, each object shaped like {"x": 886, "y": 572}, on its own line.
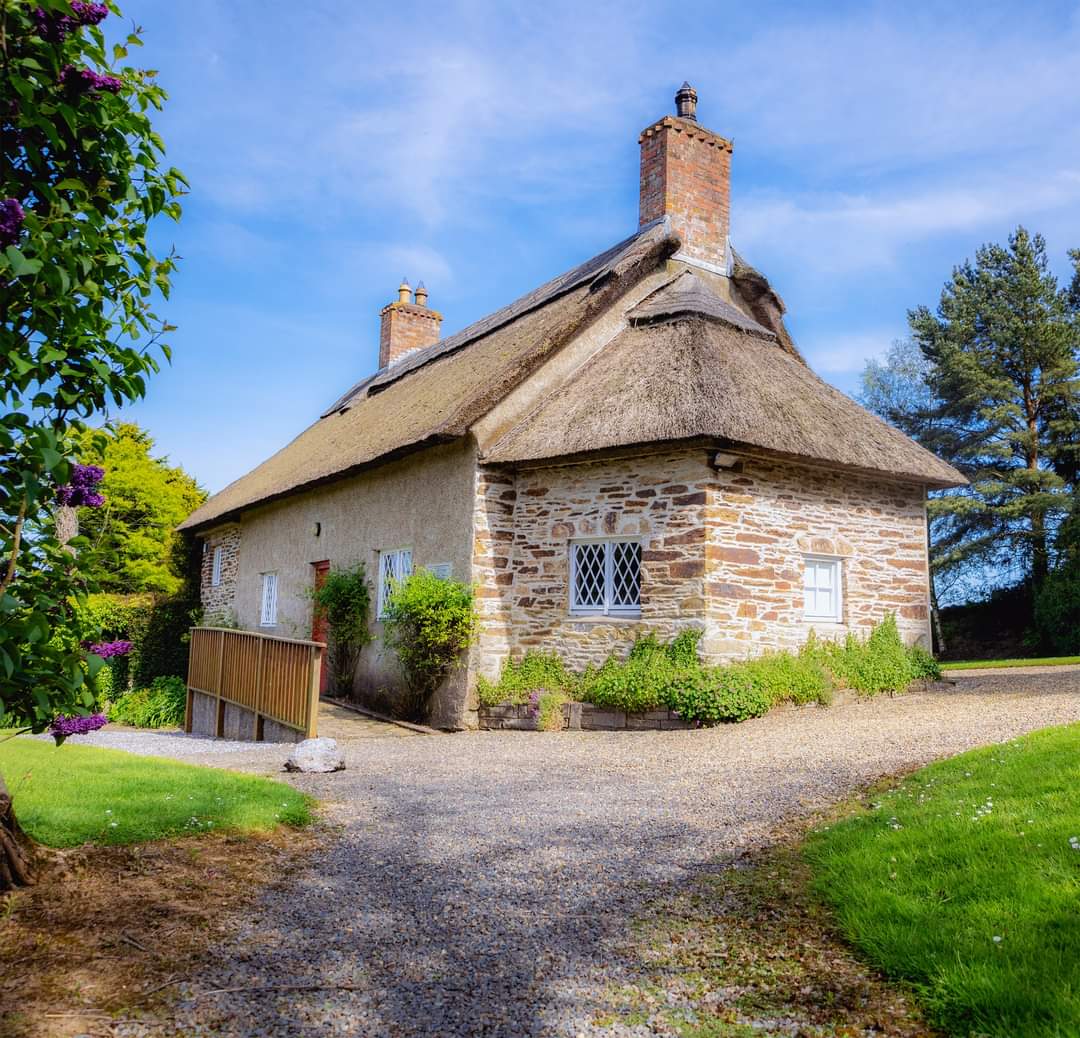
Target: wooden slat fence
{"x": 275, "y": 678}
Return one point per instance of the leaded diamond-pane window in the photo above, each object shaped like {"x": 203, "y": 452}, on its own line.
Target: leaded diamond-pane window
{"x": 605, "y": 576}
{"x": 394, "y": 566}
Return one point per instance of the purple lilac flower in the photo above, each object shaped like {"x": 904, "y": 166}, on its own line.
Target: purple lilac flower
{"x": 63, "y": 726}
{"x": 85, "y": 80}
{"x": 82, "y": 490}
{"x": 534, "y": 703}
{"x": 11, "y": 220}
{"x": 55, "y": 28}
{"x": 106, "y": 650}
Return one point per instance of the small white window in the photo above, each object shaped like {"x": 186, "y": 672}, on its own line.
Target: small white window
{"x": 215, "y": 566}
{"x": 393, "y": 567}
{"x": 268, "y": 611}
{"x": 605, "y": 577}
{"x": 822, "y": 589}
{"x": 442, "y": 570}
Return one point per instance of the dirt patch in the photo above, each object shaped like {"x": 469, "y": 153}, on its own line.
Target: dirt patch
{"x": 107, "y": 931}
{"x": 751, "y": 951}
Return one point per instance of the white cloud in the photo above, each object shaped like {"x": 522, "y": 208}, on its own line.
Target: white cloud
{"x": 832, "y": 233}
{"x": 847, "y": 353}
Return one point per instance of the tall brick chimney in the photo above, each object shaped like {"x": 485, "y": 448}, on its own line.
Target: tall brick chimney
{"x": 686, "y": 175}
{"x": 407, "y": 326}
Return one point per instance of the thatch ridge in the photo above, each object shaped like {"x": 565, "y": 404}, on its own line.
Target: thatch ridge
{"x": 687, "y": 295}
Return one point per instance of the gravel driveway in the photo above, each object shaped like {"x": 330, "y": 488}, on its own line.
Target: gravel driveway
{"x": 480, "y": 882}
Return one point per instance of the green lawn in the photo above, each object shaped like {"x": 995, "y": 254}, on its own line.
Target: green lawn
{"x": 1046, "y": 661}
{"x": 965, "y": 880}
{"x": 68, "y": 795}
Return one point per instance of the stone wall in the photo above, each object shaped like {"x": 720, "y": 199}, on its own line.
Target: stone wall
{"x": 523, "y": 526}
{"x": 220, "y": 600}
{"x": 765, "y": 516}
{"x": 721, "y": 550}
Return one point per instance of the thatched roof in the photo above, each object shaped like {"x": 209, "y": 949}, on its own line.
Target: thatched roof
{"x": 690, "y": 366}
{"x": 436, "y": 394}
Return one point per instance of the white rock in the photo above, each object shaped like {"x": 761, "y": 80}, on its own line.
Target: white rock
{"x": 316, "y": 755}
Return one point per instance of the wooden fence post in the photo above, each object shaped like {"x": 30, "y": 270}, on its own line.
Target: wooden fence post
{"x": 257, "y": 712}
{"x": 219, "y": 726}
{"x": 314, "y": 662}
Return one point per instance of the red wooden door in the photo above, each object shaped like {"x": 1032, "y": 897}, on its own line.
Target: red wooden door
{"x": 319, "y": 628}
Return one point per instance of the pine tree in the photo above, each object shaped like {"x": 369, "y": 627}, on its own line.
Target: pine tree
{"x": 1003, "y": 367}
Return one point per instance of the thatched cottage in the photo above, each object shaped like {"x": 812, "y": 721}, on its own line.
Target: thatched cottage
{"x": 635, "y": 445}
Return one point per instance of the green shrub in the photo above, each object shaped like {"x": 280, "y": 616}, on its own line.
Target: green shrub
{"x": 717, "y": 695}
{"x": 344, "y": 599}
{"x": 104, "y": 683}
{"x": 534, "y": 671}
{"x": 640, "y": 683}
{"x": 429, "y": 622}
{"x": 792, "y": 679}
{"x": 683, "y": 649}
{"x": 161, "y": 705}
{"x": 1056, "y": 620}
{"x": 879, "y": 663}
{"x": 922, "y": 664}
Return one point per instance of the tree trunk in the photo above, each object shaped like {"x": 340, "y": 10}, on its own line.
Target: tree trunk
{"x": 15, "y": 857}
{"x": 1040, "y": 556}
{"x": 938, "y": 634}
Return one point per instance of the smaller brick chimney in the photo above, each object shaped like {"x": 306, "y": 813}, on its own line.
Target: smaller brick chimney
{"x": 686, "y": 176}
{"x": 407, "y": 326}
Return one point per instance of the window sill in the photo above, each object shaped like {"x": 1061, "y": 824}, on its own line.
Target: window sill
{"x": 601, "y": 618}
{"x": 827, "y": 620}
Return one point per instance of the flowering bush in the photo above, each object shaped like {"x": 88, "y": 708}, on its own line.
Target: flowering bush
{"x": 107, "y": 650}
{"x": 62, "y": 726}
{"x": 81, "y": 491}
{"x": 11, "y": 221}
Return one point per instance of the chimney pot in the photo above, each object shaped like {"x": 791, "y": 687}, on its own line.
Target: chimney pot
{"x": 686, "y": 102}
{"x": 407, "y": 326}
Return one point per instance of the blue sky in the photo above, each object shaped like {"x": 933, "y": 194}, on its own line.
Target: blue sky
{"x": 333, "y": 147}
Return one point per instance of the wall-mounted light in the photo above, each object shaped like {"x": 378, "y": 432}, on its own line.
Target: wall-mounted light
{"x": 721, "y": 460}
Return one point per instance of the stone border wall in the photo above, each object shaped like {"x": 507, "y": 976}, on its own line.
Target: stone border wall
{"x": 238, "y": 723}
{"x": 582, "y": 717}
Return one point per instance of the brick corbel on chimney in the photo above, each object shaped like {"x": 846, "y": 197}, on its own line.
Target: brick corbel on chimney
{"x": 407, "y": 326}
{"x": 686, "y": 176}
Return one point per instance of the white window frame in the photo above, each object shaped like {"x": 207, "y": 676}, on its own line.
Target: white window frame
{"x": 836, "y": 564}
{"x": 215, "y": 565}
{"x": 394, "y": 564}
{"x": 608, "y": 608}
{"x": 269, "y": 601}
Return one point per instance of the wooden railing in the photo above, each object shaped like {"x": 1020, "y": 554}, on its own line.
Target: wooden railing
{"x": 275, "y": 678}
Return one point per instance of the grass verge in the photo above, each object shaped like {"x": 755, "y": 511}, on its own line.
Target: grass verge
{"x": 68, "y": 795}
{"x": 1045, "y": 661}
{"x": 965, "y": 881}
